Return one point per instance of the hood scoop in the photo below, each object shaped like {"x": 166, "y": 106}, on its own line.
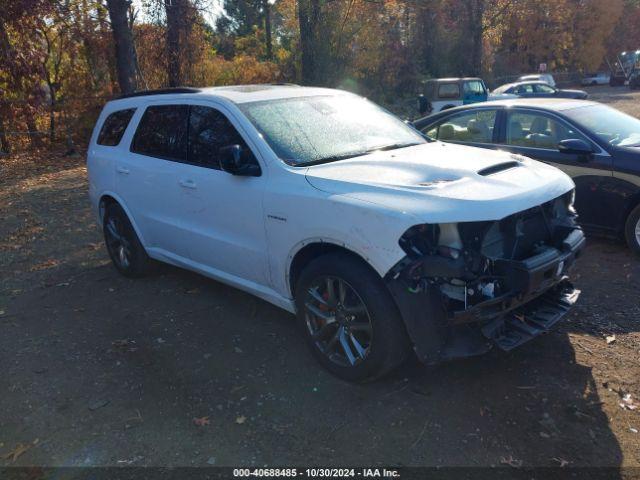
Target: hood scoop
{"x": 500, "y": 167}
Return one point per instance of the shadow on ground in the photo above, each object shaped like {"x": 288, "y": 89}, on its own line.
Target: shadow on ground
{"x": 103, "y": 370}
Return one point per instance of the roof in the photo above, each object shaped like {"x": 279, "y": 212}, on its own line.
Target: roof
{"x": 507, "y": 86}
{"x": 556, "y": 104}
{"x": 238, "y": 93}
{"x": 453, "y": 79}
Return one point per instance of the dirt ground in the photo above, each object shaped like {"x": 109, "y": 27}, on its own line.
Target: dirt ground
{"x": 179, "y": 370}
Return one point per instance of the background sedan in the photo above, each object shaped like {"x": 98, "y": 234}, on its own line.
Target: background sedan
{"x": 598, "y": 146}
{"x": 539, "y": 89}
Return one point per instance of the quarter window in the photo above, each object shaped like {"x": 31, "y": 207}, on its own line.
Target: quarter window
{"x": 535, "y": 130}
{"x": 162, "y": 133}
{"x": 468, "y": 127}
{"x": 209, "y": 131}
{"x": 114, "y": 126}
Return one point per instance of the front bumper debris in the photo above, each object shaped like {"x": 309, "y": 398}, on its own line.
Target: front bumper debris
{"x": 507, "y": 285}
{"x": 533, "y": 319}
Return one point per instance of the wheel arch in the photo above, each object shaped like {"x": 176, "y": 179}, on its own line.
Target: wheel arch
{"x": 631, "y": 205}
{"x": 308, "y": 251}
{"x": 108, "y": 198}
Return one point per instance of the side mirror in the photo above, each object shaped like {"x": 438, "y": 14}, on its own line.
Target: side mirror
{"x": 424, "y": 105}
{"x": 575, "y": 146}
{"x": 236, "y": 161}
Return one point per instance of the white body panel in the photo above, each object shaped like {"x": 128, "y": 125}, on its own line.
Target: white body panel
{"x": 439, "y": 105}
{"x": 245, "y": 231}
{"x": 599, "y": 79}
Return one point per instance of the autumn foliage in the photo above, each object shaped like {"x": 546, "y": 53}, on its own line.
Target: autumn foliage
{"x": 59, "y": 63}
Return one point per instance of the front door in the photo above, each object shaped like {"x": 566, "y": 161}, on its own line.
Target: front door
{"x": 224, "y": 218}
{"x": 536, "y": 135}
{"x": 474, "y": 91}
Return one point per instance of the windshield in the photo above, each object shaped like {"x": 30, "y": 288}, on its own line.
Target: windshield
{"x": 311, "y": 130}
{"x": 609, "y": 124}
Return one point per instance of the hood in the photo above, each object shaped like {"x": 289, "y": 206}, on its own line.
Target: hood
{"x": 443, "y": 183}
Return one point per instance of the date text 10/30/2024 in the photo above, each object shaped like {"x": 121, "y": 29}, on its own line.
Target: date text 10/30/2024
{"x": 316, "y": 472}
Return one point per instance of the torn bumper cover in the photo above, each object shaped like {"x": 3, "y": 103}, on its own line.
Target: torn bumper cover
{"x": 466, "y": 288}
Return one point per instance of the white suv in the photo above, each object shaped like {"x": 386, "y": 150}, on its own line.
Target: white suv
{"x": 322, "y": 203}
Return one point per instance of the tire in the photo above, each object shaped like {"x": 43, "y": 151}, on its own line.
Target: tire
{"x": 124, "y": 247}
{"x": 362, "y": 300}
{"x": 632, "y": 230}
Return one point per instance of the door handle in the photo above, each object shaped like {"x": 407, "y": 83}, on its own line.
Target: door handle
{"x": 188, "y": 184}
{"x": 122, "y": 170}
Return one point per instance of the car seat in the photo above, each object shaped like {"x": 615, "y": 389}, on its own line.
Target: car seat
{"x": 515, "y": 133}
{"x": 478, "y": 130}
{"x": 539, "y": 136}
{"x": 446, "y": 132}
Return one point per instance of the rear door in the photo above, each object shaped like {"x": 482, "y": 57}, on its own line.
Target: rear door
{"x": 536, "y": 134}
{"x": 147, "y": 176}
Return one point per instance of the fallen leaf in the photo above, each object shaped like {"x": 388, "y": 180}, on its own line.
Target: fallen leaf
{"x": 512, "y": 462}
{"x": 627, "y": 402}
{"x": 202, "y": 421}
{"x": 18, "y": 451}
{"x": 561, "y": 461}
{"x": 241, "y": 419}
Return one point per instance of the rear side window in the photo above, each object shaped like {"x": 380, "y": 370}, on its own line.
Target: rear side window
{"x": 162, "y": 133}
{"x": 114, "y": 126}
{"x": 209, "y": 131}
{"x": 449, "y": 90}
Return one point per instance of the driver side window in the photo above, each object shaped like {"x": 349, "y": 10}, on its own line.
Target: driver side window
{"x": 520, "y": 89}
{"x": 209, "y": 131}
{"x": 541, "y": 88}
{"x": 536, "y": 130}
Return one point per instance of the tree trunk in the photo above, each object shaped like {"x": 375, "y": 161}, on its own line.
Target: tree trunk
{"x": 476, "y": 14}
{"x": 176, "y": 11}
{"x": 52, "y": 114}
{"x": 267, "y": 29}
{"x": 5, "y": 147}
{"x": 309, "y": 19}
{"x": 32, "y": 128}
{"x": 123, "y": 38}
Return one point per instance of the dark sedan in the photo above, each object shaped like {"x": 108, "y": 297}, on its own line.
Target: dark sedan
{"x": 539, "y": 90}
{"x": 598, "y": 146}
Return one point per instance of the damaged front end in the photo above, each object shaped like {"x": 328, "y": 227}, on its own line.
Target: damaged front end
{"x": 465, "y": 287}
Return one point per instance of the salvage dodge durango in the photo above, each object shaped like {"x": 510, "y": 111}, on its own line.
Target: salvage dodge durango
{"x": 380, "y": 240}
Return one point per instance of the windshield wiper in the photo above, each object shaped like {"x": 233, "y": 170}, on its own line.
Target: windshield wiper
{"x": 395, "y": 146}
{"x": 335, "y": 158}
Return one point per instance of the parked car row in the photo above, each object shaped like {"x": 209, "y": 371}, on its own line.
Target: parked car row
{"x": 444, "y": 93}
{"x": 538, "y": 89}
{"x": 381, "y": 239}
{"x": 598, "y": 146}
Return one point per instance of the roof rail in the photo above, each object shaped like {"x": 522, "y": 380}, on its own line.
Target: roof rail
{"x": 161, "y": 91}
